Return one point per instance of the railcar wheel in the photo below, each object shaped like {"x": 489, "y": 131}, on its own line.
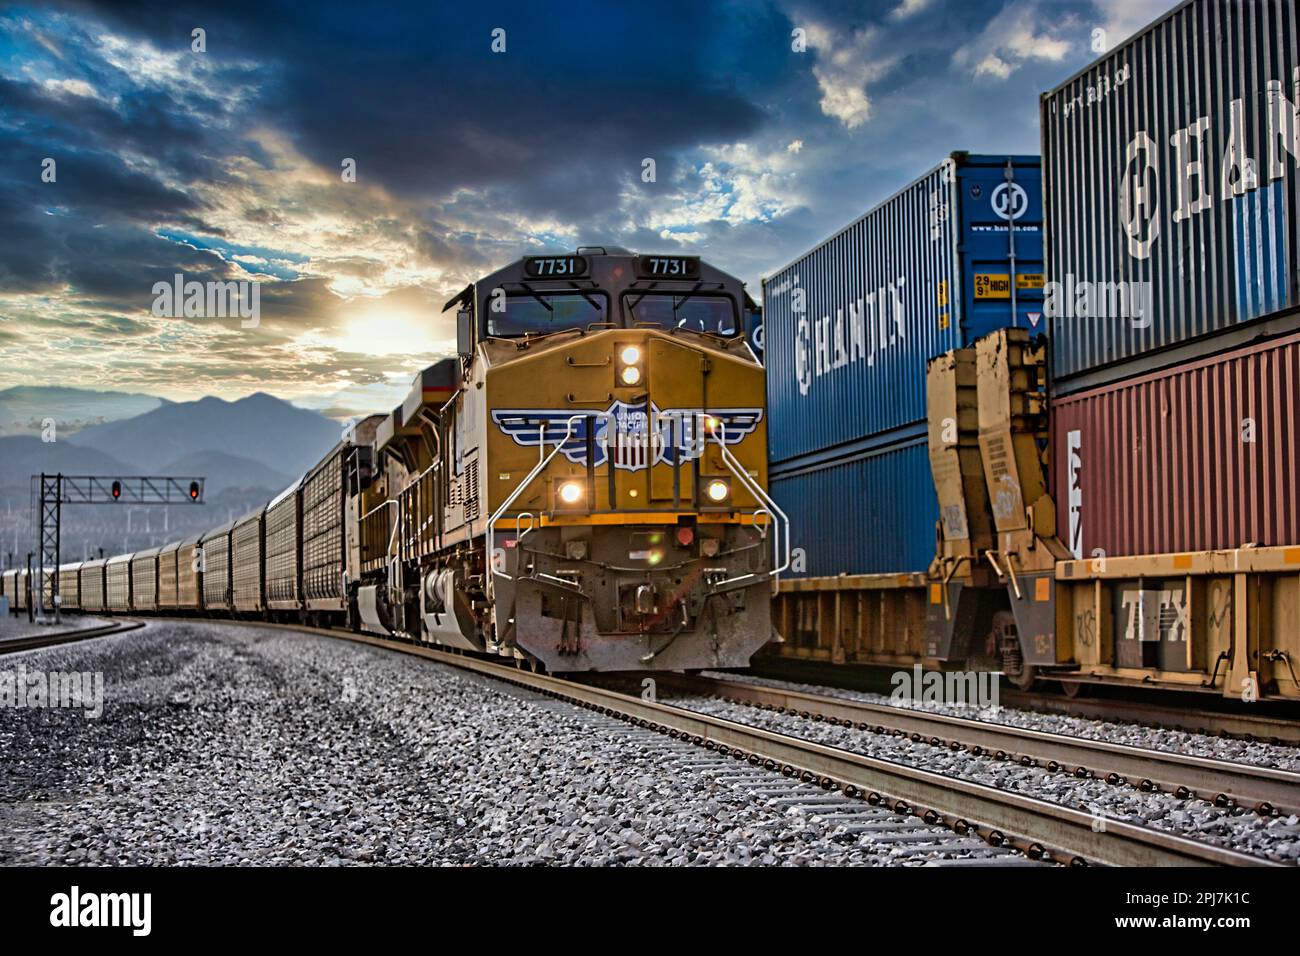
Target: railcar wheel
{"x": 1074, "y": 688}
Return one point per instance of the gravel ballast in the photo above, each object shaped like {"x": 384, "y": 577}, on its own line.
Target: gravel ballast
{"x": 1277, "y": 838}
{"x": 221, "y": 744}
{"x": 1113, "y": 731}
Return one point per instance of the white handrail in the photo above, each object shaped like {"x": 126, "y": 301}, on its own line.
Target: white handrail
{"x": 720, "y": 434}
{"x": 490, "y": 540}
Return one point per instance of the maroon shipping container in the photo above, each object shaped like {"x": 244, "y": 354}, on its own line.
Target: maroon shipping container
{"x": 1198, "y": 457}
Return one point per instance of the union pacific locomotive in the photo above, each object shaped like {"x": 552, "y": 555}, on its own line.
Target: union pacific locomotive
{"x": 583, "y": 488}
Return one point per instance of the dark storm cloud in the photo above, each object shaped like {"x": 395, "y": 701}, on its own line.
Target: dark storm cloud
{"x": 415, "y": 94}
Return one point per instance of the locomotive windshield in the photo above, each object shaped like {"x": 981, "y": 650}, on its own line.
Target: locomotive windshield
{"x": 700, "y": 313}
{"x": 541, "y": 312}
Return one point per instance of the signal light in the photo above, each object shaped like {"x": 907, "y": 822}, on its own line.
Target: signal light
{"x": 116, "y": 490}
{"x": 194, "y": 491}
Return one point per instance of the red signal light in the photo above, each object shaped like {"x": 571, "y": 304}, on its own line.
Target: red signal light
{"x": 117, "y": 490}
{"x": 194, "y": 491}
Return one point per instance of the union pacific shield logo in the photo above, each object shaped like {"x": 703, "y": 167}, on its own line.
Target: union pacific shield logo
{"x": 635, "y": 436}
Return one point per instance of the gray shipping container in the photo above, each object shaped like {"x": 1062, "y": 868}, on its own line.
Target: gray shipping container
{"x": 1169, "y": 171}
{"x": 849, "y": 326}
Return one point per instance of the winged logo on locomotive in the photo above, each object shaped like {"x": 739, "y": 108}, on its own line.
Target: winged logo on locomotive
{"x": 640, "y": 436}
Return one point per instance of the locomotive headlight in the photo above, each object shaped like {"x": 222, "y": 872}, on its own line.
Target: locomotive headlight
{"x": 717, "y": 490}
{"x": 571, "y": 492}
{"x": 628, "y": 371}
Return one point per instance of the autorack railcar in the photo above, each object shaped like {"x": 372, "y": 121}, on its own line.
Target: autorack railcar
{"x": 117, "y": 583}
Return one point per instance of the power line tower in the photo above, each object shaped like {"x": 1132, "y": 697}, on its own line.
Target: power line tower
{"x": 55, "y": 491}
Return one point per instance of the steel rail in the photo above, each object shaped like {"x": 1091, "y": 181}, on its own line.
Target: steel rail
{"x": 1244, "y": 726}
{"x": 1267, "y": 790}
{"x": 36, "y": 641}
{"x": 1001, "y": 817}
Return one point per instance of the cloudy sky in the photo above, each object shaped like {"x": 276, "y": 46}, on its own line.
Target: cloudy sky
{"x": 227, "y": 163}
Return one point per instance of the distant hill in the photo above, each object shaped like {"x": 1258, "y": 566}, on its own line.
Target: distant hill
{"x": 284, "y": 439}
{"x": 22, "y": 456}
{"x": 24, "y": 408}
{"x": 224, "y": 471}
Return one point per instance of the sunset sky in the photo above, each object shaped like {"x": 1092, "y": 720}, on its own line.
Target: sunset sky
{"x": 226, "y": 164}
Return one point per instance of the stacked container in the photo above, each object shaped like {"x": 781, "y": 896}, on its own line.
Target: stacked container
{"x": 1173, "y": 281}
{"x": 849, "y": 327}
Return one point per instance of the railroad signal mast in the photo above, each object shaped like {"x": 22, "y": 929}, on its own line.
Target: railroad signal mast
{"x": 58, "y": 490}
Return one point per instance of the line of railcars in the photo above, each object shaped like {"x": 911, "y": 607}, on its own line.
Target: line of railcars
{"x": 1101, "y": 484}
{"x": 583, "y": 488}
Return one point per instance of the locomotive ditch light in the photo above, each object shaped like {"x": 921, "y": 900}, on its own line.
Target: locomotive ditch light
{"x": 717, "y": 491}
{"x": 570, "y": 492}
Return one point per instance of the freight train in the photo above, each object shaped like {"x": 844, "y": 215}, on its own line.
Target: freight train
{"x": 582, "y": 489}
{"x": 1040, "y": 418}
{"x": 1062, "y": 440}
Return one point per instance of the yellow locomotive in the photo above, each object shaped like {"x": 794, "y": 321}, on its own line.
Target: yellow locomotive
{"x": 585, "y": 487}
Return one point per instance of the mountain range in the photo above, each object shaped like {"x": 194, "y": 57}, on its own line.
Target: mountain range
{"x": 247, "y": 450}
{"x": 24, "y": 409}
{"x": 265, "y": 429}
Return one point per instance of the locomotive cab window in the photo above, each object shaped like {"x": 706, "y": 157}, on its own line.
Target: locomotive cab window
{"x": 715, "y": 314}
{"x": 542, "y": 312}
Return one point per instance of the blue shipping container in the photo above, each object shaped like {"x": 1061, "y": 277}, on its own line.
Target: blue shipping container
{"x": 849, "y": 326}
{"x": 872, "y": 513}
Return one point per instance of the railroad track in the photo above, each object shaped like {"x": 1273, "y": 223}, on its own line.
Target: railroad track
{"x": 1264, "y": 729}
{"x": 1041, "y": 829}
{"x": 1270, "y": 724}
{"x": 35, "y": 641}
{"x": 1266, "y": 790}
